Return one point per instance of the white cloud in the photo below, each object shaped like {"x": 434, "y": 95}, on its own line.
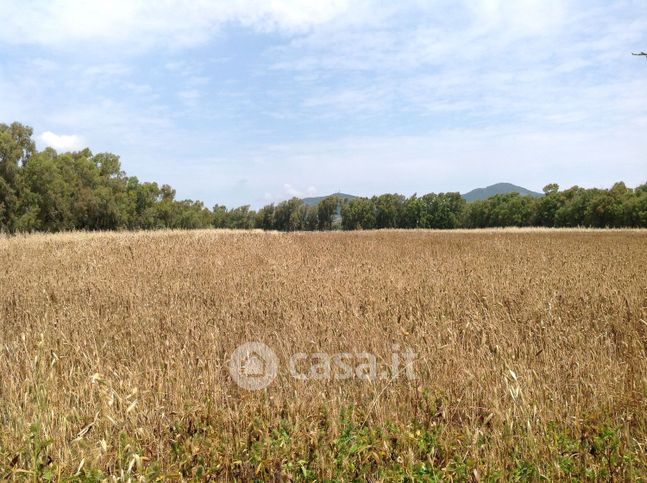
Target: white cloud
{"x": 520, "y": 17}
{"x": 61, "y": 142}
{"x": 535, "y": 62}
{"x": 288, "y": 192}
{"x": 291, "y": 191}
{"x": 143, "y": 23}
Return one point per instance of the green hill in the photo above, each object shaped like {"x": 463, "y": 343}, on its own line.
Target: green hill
{"x": 476, "y": 194}
{"x": 498, "y": 189}
{"x": 317, "y": 199}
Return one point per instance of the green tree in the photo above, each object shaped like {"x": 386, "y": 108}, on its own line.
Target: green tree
{"x": 545, "y": 208}
{"x": 286, "y": 216}
{"x": 220, "y": 217}
{"x": 637, "y": 207}
{"x": 573, "y": 207}
{"x": 410, "y": 216}
{"x": 310, "y": 217}
{"x": 16, "y": 148}
{"x": 144, "y": 198}
{"x": 265, "y": 218}
{"x": 388, "y": 210}
{"x": 441, "y": 211}
{"x": 326, "y": 212}
{"x": 509, "y": 209}
{"x": 358, "y": 214}
{"x": 241, "y": 218}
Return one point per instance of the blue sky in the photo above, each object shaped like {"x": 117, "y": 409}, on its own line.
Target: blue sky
{"x": 250, "y": 102}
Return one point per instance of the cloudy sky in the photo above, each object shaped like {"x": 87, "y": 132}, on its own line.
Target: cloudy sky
{"x": 250, "y": 101}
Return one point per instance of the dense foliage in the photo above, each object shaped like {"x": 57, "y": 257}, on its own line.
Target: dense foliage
{"x": 50, "y": 191}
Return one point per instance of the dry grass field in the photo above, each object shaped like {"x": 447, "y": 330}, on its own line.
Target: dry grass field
{"x": 530, "y": 359}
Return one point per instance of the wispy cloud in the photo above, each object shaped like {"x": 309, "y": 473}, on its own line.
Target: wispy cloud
{"x": 143, "y": 24}
{"x": 62, "y": 142}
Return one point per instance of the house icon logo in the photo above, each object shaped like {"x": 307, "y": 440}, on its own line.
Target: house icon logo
{"x": 253, "y": 366}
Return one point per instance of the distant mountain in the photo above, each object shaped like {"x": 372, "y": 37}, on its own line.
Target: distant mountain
{"x": 477, "y": 194}
{"x": 317, "y": 199}
{"x": 498, "y": 189}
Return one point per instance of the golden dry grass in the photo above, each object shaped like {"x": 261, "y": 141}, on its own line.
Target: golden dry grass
{"x": 531, "y": 355}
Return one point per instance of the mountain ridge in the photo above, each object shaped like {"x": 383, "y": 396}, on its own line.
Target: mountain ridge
{"x": 498, "y": 189}
{"x": 315, "y": 200}
{"x": 473, "y": 195}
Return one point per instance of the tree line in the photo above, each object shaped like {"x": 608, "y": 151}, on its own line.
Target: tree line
{"x": 50, "y": 191}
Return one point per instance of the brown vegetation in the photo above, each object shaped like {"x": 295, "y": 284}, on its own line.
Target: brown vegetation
{"x": 531, "y": 354}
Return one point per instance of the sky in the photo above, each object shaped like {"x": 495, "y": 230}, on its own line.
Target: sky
{"x": 255, "y": 101}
